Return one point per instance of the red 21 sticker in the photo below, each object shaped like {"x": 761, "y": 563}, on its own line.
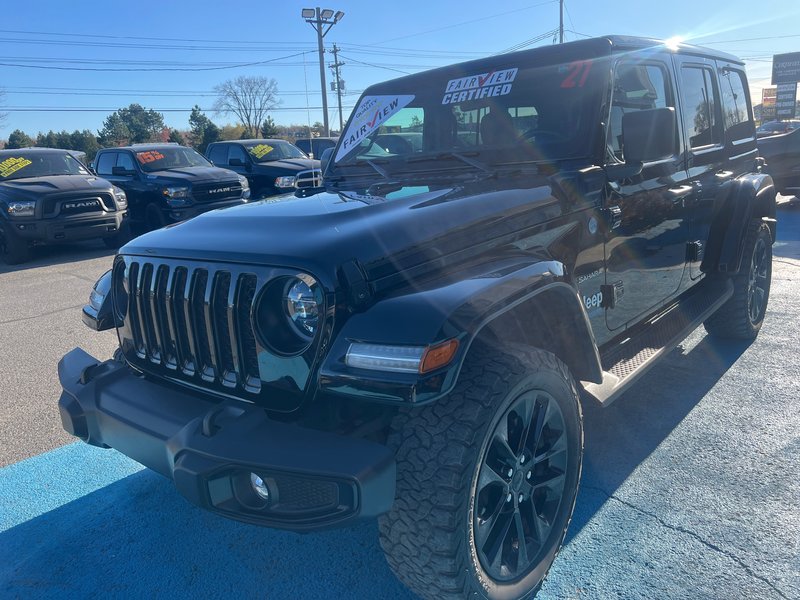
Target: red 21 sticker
{"x": 578, "y": 72}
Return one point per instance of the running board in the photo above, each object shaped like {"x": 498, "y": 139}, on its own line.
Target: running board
{"x": 624, "y": 363}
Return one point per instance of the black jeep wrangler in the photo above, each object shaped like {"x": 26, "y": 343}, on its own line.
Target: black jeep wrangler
{"x": 168, "y": 183}
{"x": 47, "y": 196}
{"x": 414, "y": 341}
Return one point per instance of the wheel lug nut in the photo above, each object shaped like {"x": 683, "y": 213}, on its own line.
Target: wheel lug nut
{"x": 521, "y": 498}
{"x": 528, "y": 475}
{"x": 510, "y": 472}
{"x": 509, "y": 497}
{"x": 522, "y": 459}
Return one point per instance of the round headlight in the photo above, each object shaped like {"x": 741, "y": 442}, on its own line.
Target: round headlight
{"x": 302, "y": 304}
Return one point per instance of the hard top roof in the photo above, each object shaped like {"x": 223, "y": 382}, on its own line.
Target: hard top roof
{"x": 34, "y": 149}
{"x": 570, "y": 51}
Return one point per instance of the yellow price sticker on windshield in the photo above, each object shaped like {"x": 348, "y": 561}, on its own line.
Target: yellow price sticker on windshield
{"x": 261, "y": 150}
{"x": 12, "y": 165}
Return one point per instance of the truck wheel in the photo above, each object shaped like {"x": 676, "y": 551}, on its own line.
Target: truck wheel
{"x": 486, "y": 479}
{"x": 742, "y": 315}
{"x": 13, "y": 249}
{"x": 119, "y": 239}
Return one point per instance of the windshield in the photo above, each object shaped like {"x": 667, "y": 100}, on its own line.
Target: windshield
{"x": 775, "y": 127}
{"x": 21, "y": 164}
{"x": 273, "y": 150}
{"x": 169, "y": 158}
{"x": 501, "y": 115}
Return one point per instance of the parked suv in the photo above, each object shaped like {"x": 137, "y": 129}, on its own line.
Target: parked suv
{"x": 47, "y": 196}
{"x": 781, "y": 151}
{"x": 412, "y": 341}
{"x": 271, "y": 166}
{"x": 167, "y": 183}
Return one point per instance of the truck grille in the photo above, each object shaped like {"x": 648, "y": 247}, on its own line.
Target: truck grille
{"x": 211, "y": 192}
{"x": 192, "y": 323}
{"x": 53, "y": 205}
{"x": 309, "y": 179}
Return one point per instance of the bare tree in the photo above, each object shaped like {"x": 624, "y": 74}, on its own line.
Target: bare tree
{"x": 249, "y": 98}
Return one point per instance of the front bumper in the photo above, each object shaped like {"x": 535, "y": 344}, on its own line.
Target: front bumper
{"x": 70, "y": 228}
{"x": 316, "y": 479}
{"x": 176, "y": 215}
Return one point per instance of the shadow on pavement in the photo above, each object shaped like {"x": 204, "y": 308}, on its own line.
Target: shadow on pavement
{"x": 137, "y": 538}
{"x": 58, "y": 254}
{"x": 619, "y": 438}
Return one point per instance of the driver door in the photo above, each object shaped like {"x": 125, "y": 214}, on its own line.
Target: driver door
{"x": 645, "y": 247}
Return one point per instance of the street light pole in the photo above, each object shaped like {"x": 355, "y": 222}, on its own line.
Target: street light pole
{"x": 322, "y": 20}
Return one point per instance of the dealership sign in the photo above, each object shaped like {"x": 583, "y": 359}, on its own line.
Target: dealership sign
{"x": 768, "y": 103}
{"x": 786, "y": 101}
{"x": 786, "y": 68}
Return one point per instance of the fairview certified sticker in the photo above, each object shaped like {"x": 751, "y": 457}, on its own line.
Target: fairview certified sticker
{"x": 373, "y": 112}
{"x": 484, "y": 85}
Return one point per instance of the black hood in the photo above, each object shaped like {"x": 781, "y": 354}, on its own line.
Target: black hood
{"x": 318, "y": 233}
{"x": 38, "y": 187}
{"x": 191, "y": 175}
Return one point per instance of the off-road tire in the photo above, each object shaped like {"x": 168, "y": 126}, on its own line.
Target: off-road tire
{"x": 13, "y": 250}
{"x": 428, "y": 536}
{"x": 734, "y": 320}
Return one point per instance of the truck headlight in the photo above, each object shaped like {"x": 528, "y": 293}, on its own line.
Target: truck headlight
{"x": 287, "y": 181}
{"x": 21, "y": 208}
{"x": 176, "y": 196}
{"x": 288, "y": 314}
{"x": 120, "y": 197}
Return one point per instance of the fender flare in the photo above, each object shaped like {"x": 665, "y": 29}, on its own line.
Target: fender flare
{"x": 751, "y": 196}
{"x": 462, "y": 309}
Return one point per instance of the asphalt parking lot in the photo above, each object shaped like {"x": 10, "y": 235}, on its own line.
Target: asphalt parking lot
{"x": 691, "y": 483}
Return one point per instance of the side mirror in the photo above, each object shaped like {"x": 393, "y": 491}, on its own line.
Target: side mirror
{"x": 122, "y": 172}
{"x": 648, "y": 135}
{"x": 325, "y": 159}
{"x": 236, "y": 162}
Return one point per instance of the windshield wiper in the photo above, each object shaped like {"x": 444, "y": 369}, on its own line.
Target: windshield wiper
{"x": 473, "y": 162}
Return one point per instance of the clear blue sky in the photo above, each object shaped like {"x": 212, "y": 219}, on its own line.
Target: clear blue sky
{"x": 378, "y": 42}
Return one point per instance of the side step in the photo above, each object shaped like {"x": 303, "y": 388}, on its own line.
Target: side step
{"x": 625, "y": 362}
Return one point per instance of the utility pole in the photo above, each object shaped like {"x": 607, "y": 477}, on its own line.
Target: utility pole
{"x": 338, "y": 83}
{"x": 560, "y": 21}
{"x": 322, "y": 20}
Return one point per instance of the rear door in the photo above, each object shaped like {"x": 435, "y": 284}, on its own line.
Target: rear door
{"x": 645, "y": 248}
{"x": 709, "y": 170}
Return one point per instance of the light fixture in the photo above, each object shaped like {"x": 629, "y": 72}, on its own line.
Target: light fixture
{"x": 338, "y": 16}
{"x": 308, "y": 13}
{"x": 326, "y": 13}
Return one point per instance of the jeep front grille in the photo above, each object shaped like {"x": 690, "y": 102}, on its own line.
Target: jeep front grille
{"x": 309, "y": 179}
{"x": 193, "y": 324}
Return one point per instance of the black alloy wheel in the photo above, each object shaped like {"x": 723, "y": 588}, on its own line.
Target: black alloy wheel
{"x": 758, "y": 281}
{"x": 520, "y": 486}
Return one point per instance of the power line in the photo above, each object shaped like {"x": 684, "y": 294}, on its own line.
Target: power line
{"x": 162, "y": 110}
{"x": 453, "y": 25}
{"x": 533, "y": 40}
{"x": 375, "y": 66}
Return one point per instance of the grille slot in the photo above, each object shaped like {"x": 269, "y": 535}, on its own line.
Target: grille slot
{"x": 194, "y": 323}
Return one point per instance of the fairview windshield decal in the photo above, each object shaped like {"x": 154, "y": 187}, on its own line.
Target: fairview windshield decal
{"x": 370, "y": 114}
{"x": 484, "y": 85}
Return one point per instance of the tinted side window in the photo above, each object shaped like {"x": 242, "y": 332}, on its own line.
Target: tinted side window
{"x": 218, "y": 155}
{"x": 735, "y": 111}
{"x": 125, "y": 161}
{"x": 236, "y": 151}
{"x": 106, "y": 162}
{"x": 304, "y": 145}
{"x": 636, "y": 87}
{"x": 700, "y": 102}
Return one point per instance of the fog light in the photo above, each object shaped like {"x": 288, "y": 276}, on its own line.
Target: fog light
{"x": 259, "y": 487}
